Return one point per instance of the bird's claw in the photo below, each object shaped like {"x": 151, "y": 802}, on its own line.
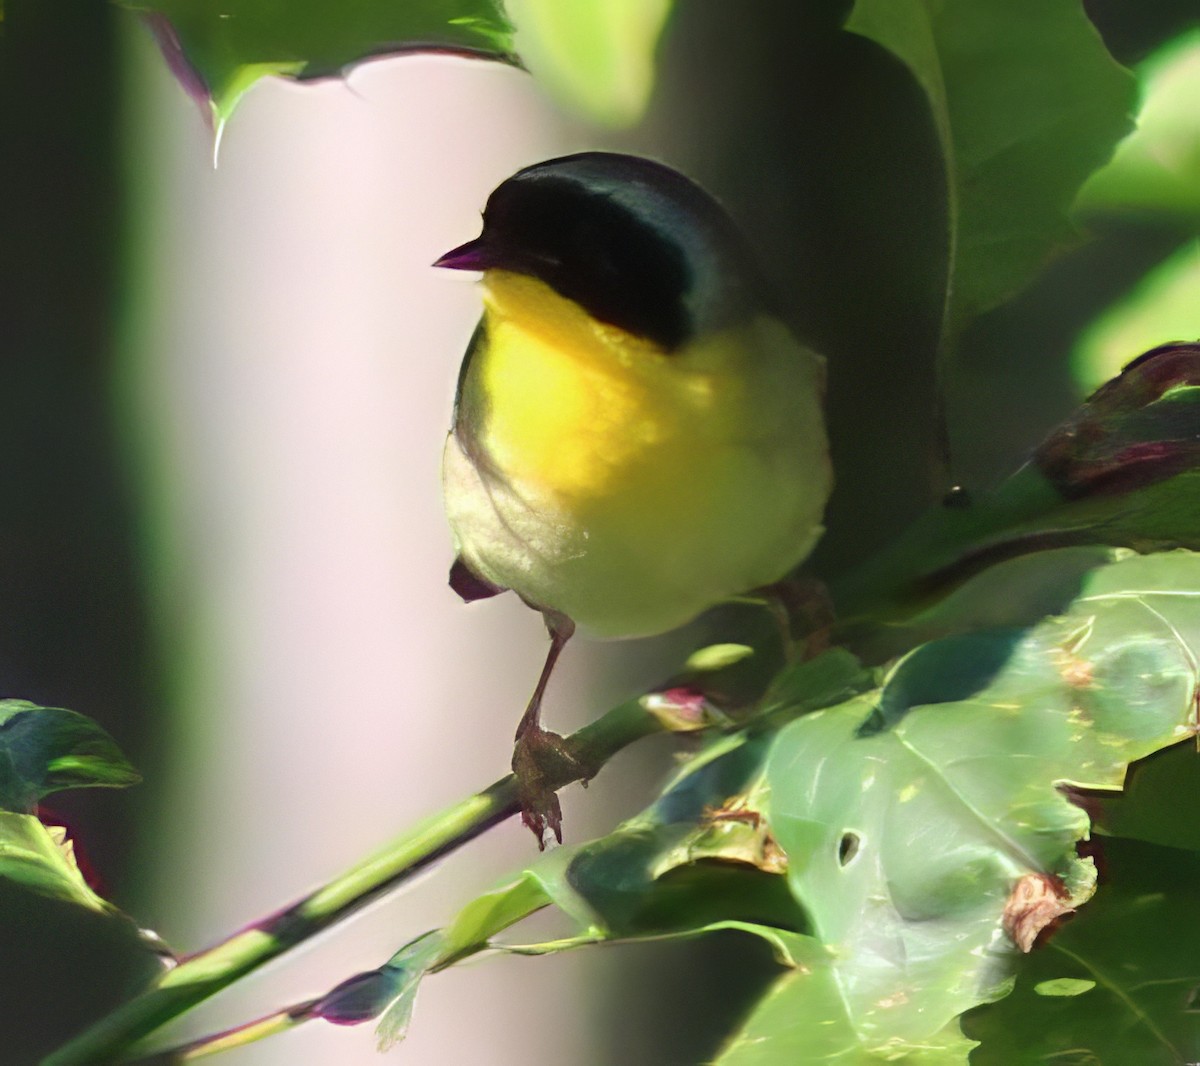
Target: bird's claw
{"x": 542, "y": 812}
{"x": 542, "y": 763}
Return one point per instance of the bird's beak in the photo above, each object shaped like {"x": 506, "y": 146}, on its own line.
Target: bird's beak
{"x": 470, "y": 256}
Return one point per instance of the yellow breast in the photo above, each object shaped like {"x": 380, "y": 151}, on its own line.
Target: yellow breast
{"x": 624, "y": 486}
{"x": 571, "y": 402}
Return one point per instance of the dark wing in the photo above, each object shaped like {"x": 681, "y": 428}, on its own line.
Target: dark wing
{"x": 469, "y": 585}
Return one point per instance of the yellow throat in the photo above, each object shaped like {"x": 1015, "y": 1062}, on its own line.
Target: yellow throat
{"x": 571, "y": 401}
{"x": 624, "y": 486}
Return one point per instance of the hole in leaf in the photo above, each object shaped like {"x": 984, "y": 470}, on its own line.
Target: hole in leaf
{"x": 848, "y": 848}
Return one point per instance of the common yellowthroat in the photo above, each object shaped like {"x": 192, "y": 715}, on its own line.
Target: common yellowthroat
{"x": 636, "y": 437}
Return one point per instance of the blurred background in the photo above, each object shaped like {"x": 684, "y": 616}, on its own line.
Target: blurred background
{"x": 226, "y": 392}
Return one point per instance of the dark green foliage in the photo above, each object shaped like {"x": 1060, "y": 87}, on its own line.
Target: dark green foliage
{"x": 46, "y": 749}
{"x": 1119, "y": 982}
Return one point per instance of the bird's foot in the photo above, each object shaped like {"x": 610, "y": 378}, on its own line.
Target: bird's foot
{"x": 542, "y": 763}
{"x": 804, "y": 613}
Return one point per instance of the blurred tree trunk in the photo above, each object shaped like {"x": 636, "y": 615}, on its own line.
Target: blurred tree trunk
{"x": 74, "y": 624}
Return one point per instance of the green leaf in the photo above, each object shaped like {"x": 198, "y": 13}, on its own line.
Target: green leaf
{"x": 803, "y": 1019}
{"x": 42, "y": 859}
{"x": 1160, "y": 803}
{"x": 47, "y": 749}
{"x": 1123, "y": 470}
{"x": 917, "y": 821}
{"x": 701, "y": 859}
{"x": 1027, "y": 103}
{"x": 595, "y": 55}
{"x": 1119, "y": 983}
{"x": 219, "y": 51}
{"x": 494, "y": 911}
{"x": 408, "y": 966}
{"x": 1156, "y": 169}
{"x": 1162, "y": 307}
{"x": 700, "y": 855}
{"x": 717, "y": 657}
{"x": 390, "y": 991}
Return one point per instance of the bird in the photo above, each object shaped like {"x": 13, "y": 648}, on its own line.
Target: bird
{"x": 637, "y": 436}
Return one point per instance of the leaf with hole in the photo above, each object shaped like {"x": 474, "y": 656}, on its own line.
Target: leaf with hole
{"x": 925, "y": 840}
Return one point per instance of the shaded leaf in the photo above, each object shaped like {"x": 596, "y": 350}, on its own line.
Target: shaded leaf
{"x": 1027, "y": 103}
{"x": 1160, "y": 803}
{"x": 1119, "y": 983}
{"x": 66, "y": 965}
{"x": 1121, "y": 471}
{"x": 675, "y": 879}
{"x": 48, "y": 749}
{"x": 1013, "y": 594}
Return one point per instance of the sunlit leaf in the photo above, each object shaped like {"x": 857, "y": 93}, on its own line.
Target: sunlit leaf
{"x": 803, "y": 1019}
{"x": 717, "y": 656}
{"x": 41, "y": 858}
{"x": 1027, "y": 103}
{"x": 699, "y": 860}
{"x": 1164, "y": 306}
{"x": 916, "y": 821}
{"x": 596, "y": 55}
{"x": 408, "y": 966}
{"x": 1156, "y": 169}
{"x": 495, "y": 910}
{"x": 45, "y": 750}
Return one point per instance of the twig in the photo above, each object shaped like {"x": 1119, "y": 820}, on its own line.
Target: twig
{"x": 202, "y": 975}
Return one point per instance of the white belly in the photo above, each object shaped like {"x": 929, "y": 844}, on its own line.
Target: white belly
{"x": 725, "y": 495}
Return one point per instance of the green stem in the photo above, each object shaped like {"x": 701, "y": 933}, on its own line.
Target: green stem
{"x": 230, "y": 1039}
{"x": 202, "y": 975}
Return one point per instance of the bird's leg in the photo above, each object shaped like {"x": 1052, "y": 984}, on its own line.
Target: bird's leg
{"x": 542, "y": 760}
{"x": 801, "y": 603}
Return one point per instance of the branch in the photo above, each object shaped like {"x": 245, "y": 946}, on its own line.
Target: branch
{"x": 202, "y": 975}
